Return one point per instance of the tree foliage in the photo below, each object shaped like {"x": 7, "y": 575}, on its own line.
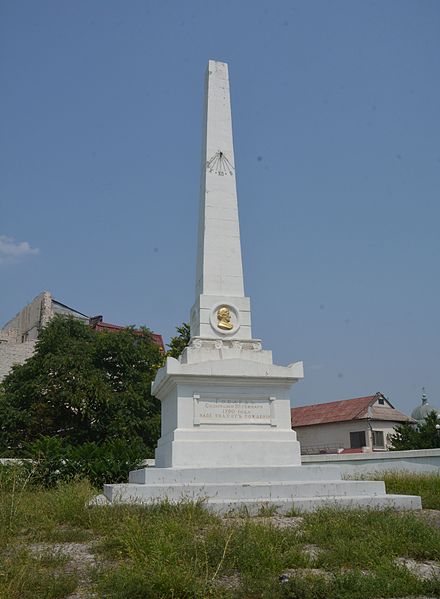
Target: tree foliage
{"x": 82, "y": 386}
{"x": 422, "y": 436}
{"x": 178, "y": 343}
{"x": 53, "y": 460}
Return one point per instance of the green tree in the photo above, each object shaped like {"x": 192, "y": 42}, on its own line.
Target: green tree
{"x": 423, "y": 436}
{"x": 178, "y": 343}
{"x": 82, "y": 386}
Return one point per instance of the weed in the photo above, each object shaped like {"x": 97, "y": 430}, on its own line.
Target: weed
{"x": 293, "y": 512}
{"x": 183, "y": 551}
{"x": 368, "y": 538}
{"x": 68, "y": 535}
{"x": 267, "y": 510}
{"x": 24, "y": 576}
{"x": 427, "y": 485}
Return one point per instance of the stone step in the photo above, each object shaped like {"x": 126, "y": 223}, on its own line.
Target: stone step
{"x": 261, "y": 491}
{"x": 247, "y": 474}
{"x": 310, "y": 504}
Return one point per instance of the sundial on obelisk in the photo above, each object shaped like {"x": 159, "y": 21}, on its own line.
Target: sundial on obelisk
{"x": 219, "y": 164}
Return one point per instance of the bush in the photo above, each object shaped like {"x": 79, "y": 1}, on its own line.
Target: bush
{"x": 55, "y": 461}
{"x": 84, "y": 386}
{"x": 422, "y": 436}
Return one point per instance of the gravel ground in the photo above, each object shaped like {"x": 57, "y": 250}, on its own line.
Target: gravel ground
{"x": 82, "y": 559}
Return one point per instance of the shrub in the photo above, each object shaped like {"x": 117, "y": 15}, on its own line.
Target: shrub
{"x": 82, "y": 385}
{"x": 422, "y": 436}
{"x": 54, "y": 460}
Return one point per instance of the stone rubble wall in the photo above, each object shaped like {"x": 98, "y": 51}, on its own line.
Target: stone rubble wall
{"x": 19, "y": 335}
{"x": 13, "y": 353}
{"x": 27, "y": 323}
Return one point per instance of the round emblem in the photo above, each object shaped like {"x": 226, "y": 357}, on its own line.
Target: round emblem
{"x": 224, "y": 319}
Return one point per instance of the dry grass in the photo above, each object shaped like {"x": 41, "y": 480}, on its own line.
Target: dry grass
{"x": 182, "y": 551}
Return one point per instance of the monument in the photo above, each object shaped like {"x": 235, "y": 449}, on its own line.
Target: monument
{"x": 226, "y": 432}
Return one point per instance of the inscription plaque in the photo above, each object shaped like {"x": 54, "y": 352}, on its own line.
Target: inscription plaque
{"x": 233, "y": 411}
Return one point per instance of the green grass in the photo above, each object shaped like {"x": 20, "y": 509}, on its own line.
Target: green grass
{"x": 425, "y": 485}
{"x": 182, "y": 551}
{"x": 24, "y": 576}
{"x": 369, "y": 538}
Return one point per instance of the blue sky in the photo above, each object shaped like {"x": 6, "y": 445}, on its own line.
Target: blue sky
{"x": 337, "y": 143}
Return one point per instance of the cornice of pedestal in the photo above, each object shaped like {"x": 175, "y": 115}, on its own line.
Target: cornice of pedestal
{"x": 205, "y": 349}
{"x": 231, "y": 371}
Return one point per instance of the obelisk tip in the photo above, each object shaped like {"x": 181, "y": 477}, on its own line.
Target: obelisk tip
{"x": 217, "y": 66}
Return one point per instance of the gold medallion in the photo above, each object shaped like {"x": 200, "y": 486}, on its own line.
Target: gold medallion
{"x": 224, "y": 319}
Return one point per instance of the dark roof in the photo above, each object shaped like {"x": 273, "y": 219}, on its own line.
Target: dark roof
{"x": 114, "y": 328}
{"x": 68, "y": 308}
{"x": 346, "y": 409}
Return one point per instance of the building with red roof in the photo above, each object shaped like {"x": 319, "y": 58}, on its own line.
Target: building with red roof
{"x": 362, "y": 424}
{"x": 97, "y": 323}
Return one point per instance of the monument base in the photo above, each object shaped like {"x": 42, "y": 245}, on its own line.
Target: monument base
{"x": 216, "y": 448}
{"x": 226, "y": 404}
{"x": 227, "y": 440}
{"x": 285, "y": 488}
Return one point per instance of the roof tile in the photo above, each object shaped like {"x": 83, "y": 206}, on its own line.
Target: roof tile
{"x": 343, "y": 410}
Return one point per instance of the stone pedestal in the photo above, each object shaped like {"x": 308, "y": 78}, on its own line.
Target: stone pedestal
{"x": 225, "y": 404}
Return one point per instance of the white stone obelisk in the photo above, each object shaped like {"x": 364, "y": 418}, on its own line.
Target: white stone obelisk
{"x": 219, "y": 277}
{"x": 226, "y": 433}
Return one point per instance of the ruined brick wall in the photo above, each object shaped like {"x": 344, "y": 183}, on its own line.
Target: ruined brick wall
{"x": 19, "y": 335}
{"x": 31, "y": 319}
{"x": 12, "y": 352}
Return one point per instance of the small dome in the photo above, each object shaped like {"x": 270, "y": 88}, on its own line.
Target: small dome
{"x": 424, "y": 409}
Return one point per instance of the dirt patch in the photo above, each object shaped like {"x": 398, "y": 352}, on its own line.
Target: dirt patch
{"x": 431, "y": 517}
{"x": 345, "y": 570}
{"x": 80, "y": 559}
{"x": 422, "y": 570}
{"x": 79, "y": 554}
{"x": 277, "y": 521}
{"x": 230, "y": 582}
{"x": 304, "y": 572}
{"x": 312, "y": 551}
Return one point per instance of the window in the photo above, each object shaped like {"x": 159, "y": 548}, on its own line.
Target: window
{"x": 378, "y": 439}
{"x": 357, "y": 439}
{"x": 381, "y": 401}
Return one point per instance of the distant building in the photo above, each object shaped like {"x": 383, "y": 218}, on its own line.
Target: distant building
{"x": 98, "y": 324}
{"x": 19, "y": 335}
{"x": 26, "y": 325}
{"x": 419, "y": 414}
{"x": 363, "y": 424}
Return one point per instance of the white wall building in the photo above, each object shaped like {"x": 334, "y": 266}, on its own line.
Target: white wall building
{"x": 363, "y": 424}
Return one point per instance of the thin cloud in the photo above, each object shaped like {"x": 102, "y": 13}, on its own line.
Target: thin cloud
{"x": 11, "y": 251}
